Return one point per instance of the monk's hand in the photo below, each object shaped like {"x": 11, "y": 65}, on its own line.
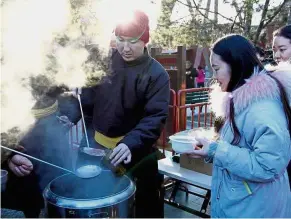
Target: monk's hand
{"x": 120, "y": 154}
{"x": 64, "y": 120}
{"x": 20, "y": 165}
{"x": 76, "y": 91}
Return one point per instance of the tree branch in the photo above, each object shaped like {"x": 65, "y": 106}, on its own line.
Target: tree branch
{"x": 232, "y": 26}
{"x": 238, "y": 11}
{"x": 191, "y": 11}
{"x": 198, "y": 9}
{"x": 174, "y": 21}
{"x": 275, "y": 13}
{"x": 260, "y": 27}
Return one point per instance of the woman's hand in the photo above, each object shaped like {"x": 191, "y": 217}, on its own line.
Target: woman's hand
{"x": 20, "y": 165}
{"x": 200, "y": 152}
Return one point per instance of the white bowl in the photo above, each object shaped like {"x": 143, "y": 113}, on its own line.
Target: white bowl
{"x": 183, "y": 144}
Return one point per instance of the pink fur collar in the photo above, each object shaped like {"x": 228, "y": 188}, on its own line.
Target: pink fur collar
{"x": 258, "y": 87}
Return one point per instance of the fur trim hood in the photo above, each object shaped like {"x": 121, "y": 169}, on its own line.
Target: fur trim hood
{"x": 259, "y": 86}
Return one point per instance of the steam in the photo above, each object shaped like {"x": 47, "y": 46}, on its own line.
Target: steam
{"x": 48, "y": 38}
{"x": 219, "y": 100}
{"x": 13, "y": 97}
{"x": 55, "y": 41}
{"x": 28, "y": 28}
{"x": 70, "y": 60}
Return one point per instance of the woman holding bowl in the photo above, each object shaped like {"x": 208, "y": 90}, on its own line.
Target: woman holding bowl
{"x": 254, "y": 148}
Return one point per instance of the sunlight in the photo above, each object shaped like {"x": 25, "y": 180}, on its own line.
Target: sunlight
{"x": 29, "y": 29}
{"x": 112, "y": 12}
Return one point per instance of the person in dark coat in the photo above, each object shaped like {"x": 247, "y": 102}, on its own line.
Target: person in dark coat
{"x": 46, "y": 139}
{"x": 191, "y": 73}
{"x": 130, "y": 109}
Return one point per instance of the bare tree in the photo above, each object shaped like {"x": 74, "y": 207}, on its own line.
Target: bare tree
{"x": 191, "y": 11}
{"x": 266, "y": 20}
{"x": 238, "y": 10}
{"x": 207, "y": 30}
{"x": 289, "y": 12}
{"x": 216, "y": 11}
{"x": 244, "y": 15}
{"x": 207, "y": 11}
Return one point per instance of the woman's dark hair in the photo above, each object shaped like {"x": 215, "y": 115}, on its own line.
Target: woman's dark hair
{"x": 200, "y": 67}
{"x": 284, "y": 31}
{"x": 240, "y": 54}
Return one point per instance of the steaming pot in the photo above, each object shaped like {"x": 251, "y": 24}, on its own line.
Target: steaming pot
{"x": 104, "y": 196}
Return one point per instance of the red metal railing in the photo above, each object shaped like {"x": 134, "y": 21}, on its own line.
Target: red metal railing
{"x": 182, "y": 110}
{"x": 172, "y": 109}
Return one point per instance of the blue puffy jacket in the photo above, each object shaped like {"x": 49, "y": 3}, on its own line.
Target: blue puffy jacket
{"x": 250, "y": 179}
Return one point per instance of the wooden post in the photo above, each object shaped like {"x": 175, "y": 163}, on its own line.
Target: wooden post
{"x": 154, "y": 52}
{"x": 162, "y": 141}
{"x": 181, "y": 65}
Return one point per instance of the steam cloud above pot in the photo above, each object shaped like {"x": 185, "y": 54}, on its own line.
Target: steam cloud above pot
{"x": 45, "y": 44}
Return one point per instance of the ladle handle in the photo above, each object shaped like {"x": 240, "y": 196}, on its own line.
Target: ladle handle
{"x": 84, "y": 125}
{"x": 34, "y": 158}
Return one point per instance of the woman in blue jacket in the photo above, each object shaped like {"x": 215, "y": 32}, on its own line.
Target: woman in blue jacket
{"x": 251, "y": 156}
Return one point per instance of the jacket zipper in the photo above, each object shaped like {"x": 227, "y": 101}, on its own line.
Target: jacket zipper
{"x": 247, "y": 187}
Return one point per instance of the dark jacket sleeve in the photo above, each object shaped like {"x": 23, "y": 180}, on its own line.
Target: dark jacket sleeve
{"x": 149, "y": 129}
{"x": 88, "y": 98}
{"x": 69, "y": 105}
{"x": 194, "y": 72}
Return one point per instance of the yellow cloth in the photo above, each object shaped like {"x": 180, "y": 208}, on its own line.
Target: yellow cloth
{"x": 40, "y": 113}
{"x": 105, "y": 141}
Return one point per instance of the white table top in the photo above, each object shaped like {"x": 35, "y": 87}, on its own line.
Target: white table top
{"x": 169, "y": 168}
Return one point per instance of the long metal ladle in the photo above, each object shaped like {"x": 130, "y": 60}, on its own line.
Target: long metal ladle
{"x": 81, "y": 172}
{"x": 88, "y": 150}
{"x": 84, "y": 125}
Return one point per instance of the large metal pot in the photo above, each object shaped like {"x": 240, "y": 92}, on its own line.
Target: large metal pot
{"x": 4, "y": 178}
{"x": 104, "y": 196}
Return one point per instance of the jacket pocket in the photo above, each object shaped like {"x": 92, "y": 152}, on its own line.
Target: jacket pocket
{"x": 237, "y": 190}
